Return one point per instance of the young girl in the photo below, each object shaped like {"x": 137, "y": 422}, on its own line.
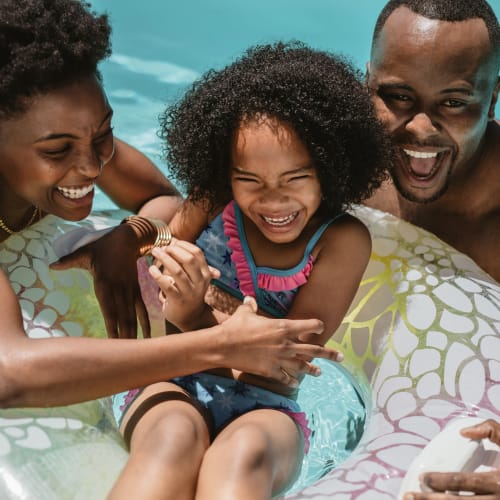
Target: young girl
{"x": 272, "y": 150}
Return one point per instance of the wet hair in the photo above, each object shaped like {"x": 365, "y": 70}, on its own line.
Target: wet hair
{"x": 449, "y": 11}
{"x": 46, "y": 44}
{"x": 318, "y": 94}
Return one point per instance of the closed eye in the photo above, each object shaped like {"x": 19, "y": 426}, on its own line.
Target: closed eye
{"x": 57, "y": 152}
{"x": 245, "y": 179}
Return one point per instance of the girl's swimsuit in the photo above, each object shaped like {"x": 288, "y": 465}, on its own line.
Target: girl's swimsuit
{"x": 225, "y": 247}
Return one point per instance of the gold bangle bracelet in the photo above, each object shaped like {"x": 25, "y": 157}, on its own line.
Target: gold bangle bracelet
{"x": 150, "y": 232}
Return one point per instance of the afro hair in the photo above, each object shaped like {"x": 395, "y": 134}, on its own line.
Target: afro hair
{"x": 45, "y": 44}
{"x": 319, "y": 94}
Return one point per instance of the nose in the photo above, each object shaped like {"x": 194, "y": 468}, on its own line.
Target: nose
{"x": 89, "y": 164}
{"x": 272, "y": 195}
{"x": 422, "y": 126}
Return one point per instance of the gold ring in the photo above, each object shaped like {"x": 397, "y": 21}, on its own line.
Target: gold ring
{"x": 288, "y": 376}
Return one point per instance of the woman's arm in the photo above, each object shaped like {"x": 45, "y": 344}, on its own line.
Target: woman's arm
{"x": 134, "y": 183}
{"x": 60, "y": 371}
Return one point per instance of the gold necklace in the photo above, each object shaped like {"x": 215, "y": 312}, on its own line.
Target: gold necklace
{"x": 9, "y": 231}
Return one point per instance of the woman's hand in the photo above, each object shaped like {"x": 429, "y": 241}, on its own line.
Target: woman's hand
{"x": 183, "y": 275}
{"x": 270, "y": 347}
{"x": 112, "y": 261}
{"x": 452, "y": 485}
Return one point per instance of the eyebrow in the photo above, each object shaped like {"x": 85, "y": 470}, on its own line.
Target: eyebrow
{"x": 404, "y": 86}
{"x": 51, "y": 137}
{"x": 298, "y": 170}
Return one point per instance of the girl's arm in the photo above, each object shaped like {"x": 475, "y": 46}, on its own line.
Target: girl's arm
{"x": 341, "y": 257}
{"x": 59, "y": 371}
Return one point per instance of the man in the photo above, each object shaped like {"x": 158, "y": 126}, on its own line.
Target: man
{"x": 433, "y": 75}
{"x": 434, "y": 78}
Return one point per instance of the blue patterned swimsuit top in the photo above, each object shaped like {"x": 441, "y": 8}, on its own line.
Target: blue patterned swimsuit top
{"x": 225, "y": 247}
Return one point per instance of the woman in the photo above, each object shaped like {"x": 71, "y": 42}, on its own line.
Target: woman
{"x": 57, "y": 144}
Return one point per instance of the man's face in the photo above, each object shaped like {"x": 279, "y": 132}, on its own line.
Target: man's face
{"x": 434, "y": 86}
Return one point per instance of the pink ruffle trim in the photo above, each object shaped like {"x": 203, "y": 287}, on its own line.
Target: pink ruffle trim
{"x": 265, "y": 281}
{"x": 238, "y": 255}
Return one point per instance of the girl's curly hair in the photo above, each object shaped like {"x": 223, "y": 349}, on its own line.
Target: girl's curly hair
{"x": 45, "y": 44}
{"x": 319, "y": 94}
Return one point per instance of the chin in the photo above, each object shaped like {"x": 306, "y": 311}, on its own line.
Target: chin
{"x": 419, "y": 195}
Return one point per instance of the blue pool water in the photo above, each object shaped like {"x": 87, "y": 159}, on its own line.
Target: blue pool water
{"x": 159, "y": 48}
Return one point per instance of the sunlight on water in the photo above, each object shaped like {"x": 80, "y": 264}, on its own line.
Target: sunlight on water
{"x": 337, "y": 417}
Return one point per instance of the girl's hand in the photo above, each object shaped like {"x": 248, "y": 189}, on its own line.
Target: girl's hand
{"x": 112, "y": 261}
{"x": 451, "y": 485}
{"x": 183, "y": 275}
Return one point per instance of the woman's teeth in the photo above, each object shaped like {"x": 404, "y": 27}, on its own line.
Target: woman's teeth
{"x": 280, "y": 221}
{"x": 76, "y": 193}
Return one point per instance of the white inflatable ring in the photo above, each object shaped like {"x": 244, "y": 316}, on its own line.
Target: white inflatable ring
{"x": 422, "y": 339}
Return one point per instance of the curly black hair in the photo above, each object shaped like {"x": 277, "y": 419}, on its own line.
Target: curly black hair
{"x": 45, "y": 44}
{"x": 446, "y": 10}
{"x": 319, "y": 94}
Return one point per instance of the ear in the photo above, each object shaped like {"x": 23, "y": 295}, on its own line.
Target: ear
{"x": 494, "y": 97}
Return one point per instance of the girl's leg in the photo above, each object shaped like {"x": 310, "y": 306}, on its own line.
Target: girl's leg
{"x": 254, "y": 457}
{"x": 166, "y": 447}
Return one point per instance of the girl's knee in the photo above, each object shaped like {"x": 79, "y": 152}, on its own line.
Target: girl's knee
{"x": 247, "y": 447}
{"x": 170, "y": 433}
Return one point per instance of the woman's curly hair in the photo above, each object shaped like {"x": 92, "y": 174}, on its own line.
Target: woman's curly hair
{"x": 45, "y": 44}
{"x": 319, "y": 94}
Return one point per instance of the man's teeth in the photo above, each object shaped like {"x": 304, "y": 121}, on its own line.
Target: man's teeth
{"x": 419, "y": 154}
{"x": 75, "y": 193}
{"x": 280, "y": 221}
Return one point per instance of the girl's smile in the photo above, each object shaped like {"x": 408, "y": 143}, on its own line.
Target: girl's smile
{"x": 273, "y": 179}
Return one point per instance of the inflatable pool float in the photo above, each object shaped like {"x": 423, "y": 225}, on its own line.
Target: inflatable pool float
{"x": 421, "y": 339}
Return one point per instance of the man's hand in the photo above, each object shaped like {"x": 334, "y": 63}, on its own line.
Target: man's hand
{"x": 452, "y": 485}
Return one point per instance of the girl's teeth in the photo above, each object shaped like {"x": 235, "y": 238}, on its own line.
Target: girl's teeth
{"x": 419, "y": 154}
{"x": 280, "y": 221}
{"x": 75, "y": 193}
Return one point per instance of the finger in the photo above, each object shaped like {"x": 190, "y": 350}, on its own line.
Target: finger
{"x": 297, "y": 327}
{"x": 310, "y": 351}
{"x": 192, "y": 260}
{"x": 126, "y": 315}
{"x": 108, "y": 309}
{"x": 172, "y": 267}
{"x": 286, "y": 378}
{"x": 488, "y": 429}
{"x": 214, "y": 272}
{"x": 142, "y": 314}
{"x": 430, "y": 496}
{"x": 478, "y": 482}
{"x": 310, "y": 369}
{"x": 250, "y": 303}
{"x": 79, "y": 259}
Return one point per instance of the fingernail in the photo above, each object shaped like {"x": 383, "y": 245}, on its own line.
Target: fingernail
{"x": 340, "y": 356}
{"x": 247, "y": 300}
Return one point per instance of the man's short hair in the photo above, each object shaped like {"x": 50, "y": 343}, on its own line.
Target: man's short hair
{"x": 446, "y": 10}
